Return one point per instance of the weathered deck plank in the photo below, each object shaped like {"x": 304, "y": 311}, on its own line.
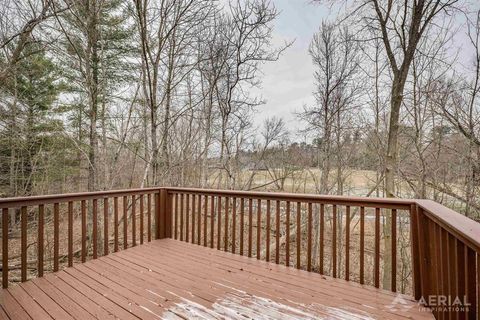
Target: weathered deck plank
{"x": 169, "y": 279}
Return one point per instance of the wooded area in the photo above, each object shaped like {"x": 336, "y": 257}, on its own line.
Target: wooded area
{"x": 107, "y": 94}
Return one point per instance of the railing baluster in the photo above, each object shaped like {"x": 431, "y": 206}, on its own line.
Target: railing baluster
{"x": 452, "y": 244}
{"x": 477, "y": 303}
{"x": 41, "y": 231}
{"x": 267, "y": 236}
{"x": 444, "y": 263}
{"x": 55, "y": 236}
{"x": 199, "y": 217}
{"x": 141, "y": 218}
{"x": 105, "y": 226}
{"x": 115, "y": 225}
{"x": 205, "y": 215}
{"x": 212, "y": 221}
{"x": 187, "y": 218}
{"x": 234, "y": 223}
{"x": 227, "y": 200}
{"x": 461, "y": 269}
{"x": 362, "y": 245}
{"x": 125, "y": 222}
{"x": 433, "y": 259}
{"x": 158, "y": 214}
{"x": 193, "y": 218}
{"x": 377, "y": 248}
{"x": 259, "y": 226}
{"x": 219, "y": 222}
{"x": 347, "y": 243}
{"x": 5, "y": 248}
{"x": 70, "y": 233}
{"x": 334, "y": 241}
{"x": 298, "y": 235}
{"x": 149, "y": 217}
{"x": 84, "y": 229}
{"x": 309, "y": 237}
{"x": 287, "y": 234}
{"x": 95, "y": 232}
{"x": 470, "y": 282}
{"x": 242, "y": 223}
{"x": 181, "y": 216}
{"x": 394, "y": 250}
{"x": 134, "y": 221}
{"x": 176, "y": 216}
{"x": 250, "y": 219}
{"x": 322, "y": 237}
{"x": 23, "y": 213}
{"x": 277, "y": 232}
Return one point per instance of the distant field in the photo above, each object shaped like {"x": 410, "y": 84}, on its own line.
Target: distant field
{"x": 356, "y": 182}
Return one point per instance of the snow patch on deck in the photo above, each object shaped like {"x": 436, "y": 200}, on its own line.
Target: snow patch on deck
{"x": 241, "y": 305}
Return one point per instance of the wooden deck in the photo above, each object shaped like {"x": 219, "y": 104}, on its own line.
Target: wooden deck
{"x": 170, "y": 279}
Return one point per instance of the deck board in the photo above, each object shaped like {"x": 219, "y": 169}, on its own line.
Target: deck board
{"x": 169, "y": 279}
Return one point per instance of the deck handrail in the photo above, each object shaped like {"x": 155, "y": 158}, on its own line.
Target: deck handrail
{"x": 445, "y": 245}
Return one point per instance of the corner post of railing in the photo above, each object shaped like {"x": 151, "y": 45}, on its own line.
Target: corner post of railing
{"x": 422, "y": 259}
{"x": 415, "y": 240}
{"x": 163, "y": 214}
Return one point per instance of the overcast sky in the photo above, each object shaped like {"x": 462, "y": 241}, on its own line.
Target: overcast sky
{"x": 288, "y": 83}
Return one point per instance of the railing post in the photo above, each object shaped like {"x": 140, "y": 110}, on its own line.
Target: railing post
{"x": 417, "y": 289}
{"x": 163, "y": 210}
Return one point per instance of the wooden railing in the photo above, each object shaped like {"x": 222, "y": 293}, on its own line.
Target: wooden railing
{"x": 122, "y": 218}
{"x": 416, "y": 247}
